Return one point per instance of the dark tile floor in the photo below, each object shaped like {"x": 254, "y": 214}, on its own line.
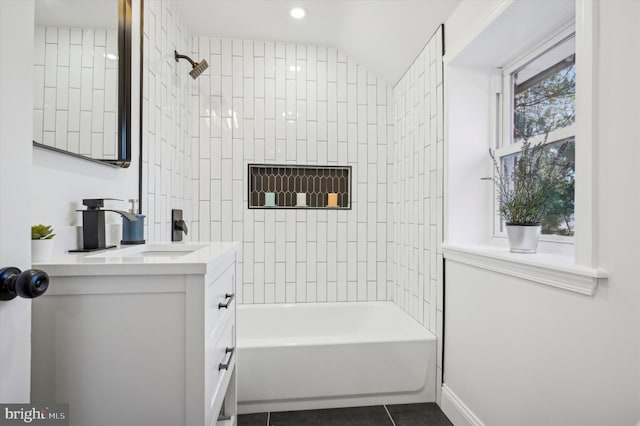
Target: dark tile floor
{"x": 428, "y": 414}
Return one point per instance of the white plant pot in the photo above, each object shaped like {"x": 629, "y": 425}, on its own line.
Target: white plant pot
{"x": 523, "y": 238}
{"x": 41, "y": 250}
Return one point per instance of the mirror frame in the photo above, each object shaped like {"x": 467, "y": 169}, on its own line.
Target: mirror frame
{"x": 123, "y": 139}
{"x": 124, "y": 84}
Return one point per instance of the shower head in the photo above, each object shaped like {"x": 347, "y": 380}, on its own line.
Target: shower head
{"x": 198, "y": 68}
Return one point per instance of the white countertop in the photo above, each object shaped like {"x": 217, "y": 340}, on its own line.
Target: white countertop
{"x": 144, "y": 259}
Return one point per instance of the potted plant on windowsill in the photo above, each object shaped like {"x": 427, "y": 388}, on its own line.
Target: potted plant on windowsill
{"x": 41, "y": 243}
{"x": 523, "y": 193}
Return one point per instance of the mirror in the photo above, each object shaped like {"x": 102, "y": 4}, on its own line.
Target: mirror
{"x": 82, "y": 79}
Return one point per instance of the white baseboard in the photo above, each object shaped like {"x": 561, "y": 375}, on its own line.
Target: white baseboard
{"x": 456, "y": 410}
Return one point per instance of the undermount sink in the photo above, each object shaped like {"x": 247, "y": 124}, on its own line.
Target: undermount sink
{"x": 159, "y": 253}
{"x": 166, "y": 250}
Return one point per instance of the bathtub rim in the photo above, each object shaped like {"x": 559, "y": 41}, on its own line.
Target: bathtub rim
{"x": 419, "y": 333}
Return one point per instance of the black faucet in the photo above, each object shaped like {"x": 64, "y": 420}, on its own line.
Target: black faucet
{"x": 179, "y": 225}
{"x": 93, "y": 224}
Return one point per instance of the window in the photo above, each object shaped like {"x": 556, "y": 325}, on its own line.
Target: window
{"x": 480, "y": 114}
{"x": 538, "y": 106}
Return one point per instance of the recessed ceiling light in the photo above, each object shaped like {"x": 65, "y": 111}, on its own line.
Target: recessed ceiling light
{"x": 298, "y": 12}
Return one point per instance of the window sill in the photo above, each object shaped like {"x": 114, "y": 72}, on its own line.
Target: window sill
{"x": 552, "y": 270}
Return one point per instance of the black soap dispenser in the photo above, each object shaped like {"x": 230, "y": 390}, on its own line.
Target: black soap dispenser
{"x": 133, "y": 231}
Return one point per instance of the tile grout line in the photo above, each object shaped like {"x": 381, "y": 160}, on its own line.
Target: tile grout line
{"x": 389, "y": 414}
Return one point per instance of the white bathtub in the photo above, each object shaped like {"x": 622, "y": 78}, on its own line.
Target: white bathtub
{"x": 325, "y": 355}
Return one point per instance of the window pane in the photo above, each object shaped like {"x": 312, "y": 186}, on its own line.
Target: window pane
{"x": 559, "y": 215}
{"x": 544, "y": 93}
{"x": 558, "y": 218}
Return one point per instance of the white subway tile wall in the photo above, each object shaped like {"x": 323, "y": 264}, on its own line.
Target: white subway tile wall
{"x": 75, "y": 80}
{"x": 169, "y": 160}
{"x": 286, "y": 103}
{"x": 415, "y": 167}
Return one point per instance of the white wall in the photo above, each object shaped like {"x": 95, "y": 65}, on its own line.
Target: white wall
{"x": 468, "y": 19}
{"x": 285, "y": 103}
{"x": 60, "y": 182}
{"x": 525, "y": 354}
{"x": 167, "y": 163}
{"x": 416, "y": 190}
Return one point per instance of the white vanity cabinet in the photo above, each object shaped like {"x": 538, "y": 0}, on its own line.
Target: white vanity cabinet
{"x": 139, "y": 336}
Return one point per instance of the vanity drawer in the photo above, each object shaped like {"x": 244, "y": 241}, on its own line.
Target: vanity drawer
{"x": 220, "y": 302}
{"x": 219, "y": 365}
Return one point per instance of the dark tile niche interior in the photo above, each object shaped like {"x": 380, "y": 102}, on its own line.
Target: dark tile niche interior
{"x": 286, "y": 181}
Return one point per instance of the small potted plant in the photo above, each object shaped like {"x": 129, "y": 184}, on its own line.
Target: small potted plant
{"x": 523, "y": 193}
{"x": 41, "y": 243}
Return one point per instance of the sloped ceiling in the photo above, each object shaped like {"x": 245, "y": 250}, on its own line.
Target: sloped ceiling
{"x": 383, "y": 35}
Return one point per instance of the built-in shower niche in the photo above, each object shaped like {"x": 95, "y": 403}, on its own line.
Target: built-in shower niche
{"x": 295, "y": 186}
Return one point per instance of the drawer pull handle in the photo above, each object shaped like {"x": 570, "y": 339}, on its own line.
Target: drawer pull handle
{"x": 228, "y": 302}
{"x": 222, "y": 366}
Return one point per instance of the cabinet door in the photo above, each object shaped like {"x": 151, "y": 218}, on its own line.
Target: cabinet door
{"x": 222, "y": 355}
{"x": 220, "y": 302}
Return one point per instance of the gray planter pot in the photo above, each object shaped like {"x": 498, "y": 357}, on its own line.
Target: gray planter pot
{"x": 523, "y": 238}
